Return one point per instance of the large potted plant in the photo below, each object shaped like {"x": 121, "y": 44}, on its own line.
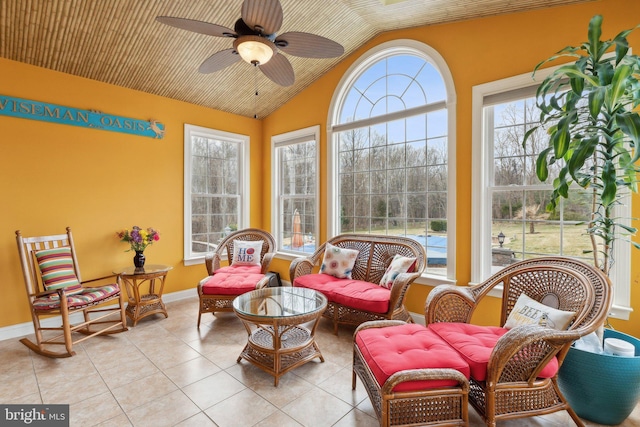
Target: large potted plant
{"x": 589, "y": 108}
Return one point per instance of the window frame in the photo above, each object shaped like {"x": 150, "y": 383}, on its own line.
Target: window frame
{"x": 311, "y": 133}
{"x": 482, "y": 148}
{"x": 191, "y": 258}
{"x": 372, "y": 56}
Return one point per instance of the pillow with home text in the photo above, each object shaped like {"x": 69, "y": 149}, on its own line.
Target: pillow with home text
{"x": 247, "y": 252}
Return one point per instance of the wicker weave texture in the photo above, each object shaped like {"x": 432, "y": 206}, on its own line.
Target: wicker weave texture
{"x": 375, "y": 253}
{"x": 512, "y": 389}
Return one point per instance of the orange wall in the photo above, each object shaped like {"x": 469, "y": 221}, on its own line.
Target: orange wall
{"x": 96, "y": 181}
{"x": 476, "y": 51}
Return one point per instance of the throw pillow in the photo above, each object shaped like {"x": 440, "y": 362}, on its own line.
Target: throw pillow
{"x": 338, "y": 262}
{"x": 528, "y": 311}
{"x": 247, "y": 252}
{"x": 399, "y": 264}
{"x": 56, "y": 266}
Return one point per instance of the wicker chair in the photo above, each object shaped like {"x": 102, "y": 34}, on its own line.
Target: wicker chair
{"x": 211, "y": 303}
{"x": 375, "y": 252}
{"x": 512, "y": 388}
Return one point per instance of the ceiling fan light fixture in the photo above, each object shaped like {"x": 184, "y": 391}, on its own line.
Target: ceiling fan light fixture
{"x": 254, "y": 49}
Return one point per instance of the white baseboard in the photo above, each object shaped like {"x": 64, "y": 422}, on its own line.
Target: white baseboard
{"x": 22, "y": 329}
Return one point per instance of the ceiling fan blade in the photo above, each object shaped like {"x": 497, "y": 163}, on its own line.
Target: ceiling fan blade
{"x": 279, "y": 70}
{"x": 308, "y": 45}
{"x": 266, "y": 14}
{"x": 197, "y": 26}
{"x": 219, "y": 60}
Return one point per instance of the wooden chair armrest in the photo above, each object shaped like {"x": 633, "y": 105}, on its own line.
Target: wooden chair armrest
{"x": 521, "y": 353}
{"x": 449, "y": 303}
{"x": 424, "y": 375}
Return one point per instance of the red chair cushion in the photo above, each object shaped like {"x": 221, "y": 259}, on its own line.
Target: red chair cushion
{"x": 239, "y": 269}
{"x": 231, "y": 284}
{"x": 397, "y": 348}
{"x": 348, "y": 292}
{"x": 475, "y": 344}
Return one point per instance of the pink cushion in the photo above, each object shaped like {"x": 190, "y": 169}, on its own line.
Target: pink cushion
{"x": 475, "y": 344}
{"x": 411, "y": 346}
{"x": 239, "y": 268}
{"x": 231, "y": 284}
{"x": 348, "y": 292}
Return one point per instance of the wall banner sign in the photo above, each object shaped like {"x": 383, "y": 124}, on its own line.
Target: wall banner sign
{"x": 34, "y": 110}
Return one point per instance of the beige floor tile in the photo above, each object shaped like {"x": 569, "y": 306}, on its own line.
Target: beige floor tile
{"x": 232, "y": 411}
{"x": 278, "y": 419}
{"x": 191, "y": 371}
{"x": 317, "y": 408}
{"x": 143, "y": 390}
{"x": 213, "y": 389}
{"x": 167, "y": 410}
{"x": 357, "y": 418}
{"x": 167, "y": 372}
{"x": 198, "y": 420}
{"x": 94, "y": 410}
{"x": 73, "y": 391}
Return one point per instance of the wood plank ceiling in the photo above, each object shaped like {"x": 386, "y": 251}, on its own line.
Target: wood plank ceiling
{"x": 119, "y": 42}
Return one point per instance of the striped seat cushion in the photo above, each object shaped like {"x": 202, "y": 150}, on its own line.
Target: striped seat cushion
{"x": 57, "y": 269}
{"x": 86, "y": 297}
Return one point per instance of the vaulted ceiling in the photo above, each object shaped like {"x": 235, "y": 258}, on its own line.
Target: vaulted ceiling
{"x": 120, "y": 42}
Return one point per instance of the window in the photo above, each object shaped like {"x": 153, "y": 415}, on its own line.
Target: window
{"x": 392, "y": 121}
{"x": 215, "y": 188}
{"x": 509, "y": 202}
{"x": 295, "y": 190}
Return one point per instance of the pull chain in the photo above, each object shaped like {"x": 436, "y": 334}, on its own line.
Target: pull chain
{"x": 255, "y": 98}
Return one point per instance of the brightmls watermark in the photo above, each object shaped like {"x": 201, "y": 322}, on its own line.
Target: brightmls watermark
{"x": 34, "y": 415}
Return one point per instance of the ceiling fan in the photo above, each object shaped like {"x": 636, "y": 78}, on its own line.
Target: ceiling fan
{"x": 256, "y": 41}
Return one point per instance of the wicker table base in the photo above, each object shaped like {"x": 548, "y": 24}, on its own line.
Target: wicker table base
{"x": 141, "y": 305}
{"x": 273, "y": 317}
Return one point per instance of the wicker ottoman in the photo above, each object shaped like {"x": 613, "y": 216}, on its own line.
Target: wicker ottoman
{"x": 411, "y": 375}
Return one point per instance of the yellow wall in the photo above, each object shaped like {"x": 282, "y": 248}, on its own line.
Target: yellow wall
{"x": 476, "y": 51}
{"x": 96, "y": 181}
{"x": 110, "y": 181}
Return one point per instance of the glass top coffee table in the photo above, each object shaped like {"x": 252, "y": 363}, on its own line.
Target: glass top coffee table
{"x": 275, "y": 318}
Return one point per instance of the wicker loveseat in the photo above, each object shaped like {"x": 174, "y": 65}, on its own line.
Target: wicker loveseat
{"x": 361, "y": 298}
{"x": 512, "y": 369}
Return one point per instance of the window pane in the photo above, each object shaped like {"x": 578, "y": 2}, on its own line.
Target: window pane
{"x": 392, "y": 176}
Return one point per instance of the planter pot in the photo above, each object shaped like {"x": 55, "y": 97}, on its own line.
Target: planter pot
{"x": 600, "y": 387}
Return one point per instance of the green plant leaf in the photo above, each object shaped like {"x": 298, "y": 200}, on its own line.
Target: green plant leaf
{"x": 618, "y": 84}
{"x": 609, "y": 190}
{"x": 561, "y": 138}
{"x": 596, "y": 100}
{"x": 629, "y": 123}
{"x": 595, "y": 31}
{"x": 542, "y": 170}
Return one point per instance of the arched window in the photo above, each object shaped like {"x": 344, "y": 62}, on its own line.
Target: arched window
{"x": 391, "y": 143}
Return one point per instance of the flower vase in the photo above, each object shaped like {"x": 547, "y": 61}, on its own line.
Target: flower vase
{"x": 138, "y": 259}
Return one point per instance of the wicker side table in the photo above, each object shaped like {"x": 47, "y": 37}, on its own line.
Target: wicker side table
{"x": 274, "y": 317}
{"x": 142, "y": 304}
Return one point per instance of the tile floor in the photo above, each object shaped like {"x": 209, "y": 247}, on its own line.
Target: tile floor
{"x": 166, "y": 372}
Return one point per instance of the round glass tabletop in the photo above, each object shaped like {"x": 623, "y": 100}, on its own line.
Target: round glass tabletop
{"x": 279, "y": 302}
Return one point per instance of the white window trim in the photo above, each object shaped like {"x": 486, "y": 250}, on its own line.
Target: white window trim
{"x": 281, "y": 140}
{"x": 481, "y": 208}
{"x": 244, "y": 183}
{"x": 429, "y": 54}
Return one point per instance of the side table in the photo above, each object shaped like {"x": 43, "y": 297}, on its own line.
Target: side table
{"x": 143, "y": 304}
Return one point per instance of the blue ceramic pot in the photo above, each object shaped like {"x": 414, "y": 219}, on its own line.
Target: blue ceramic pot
{"x": 600, "y": 387}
